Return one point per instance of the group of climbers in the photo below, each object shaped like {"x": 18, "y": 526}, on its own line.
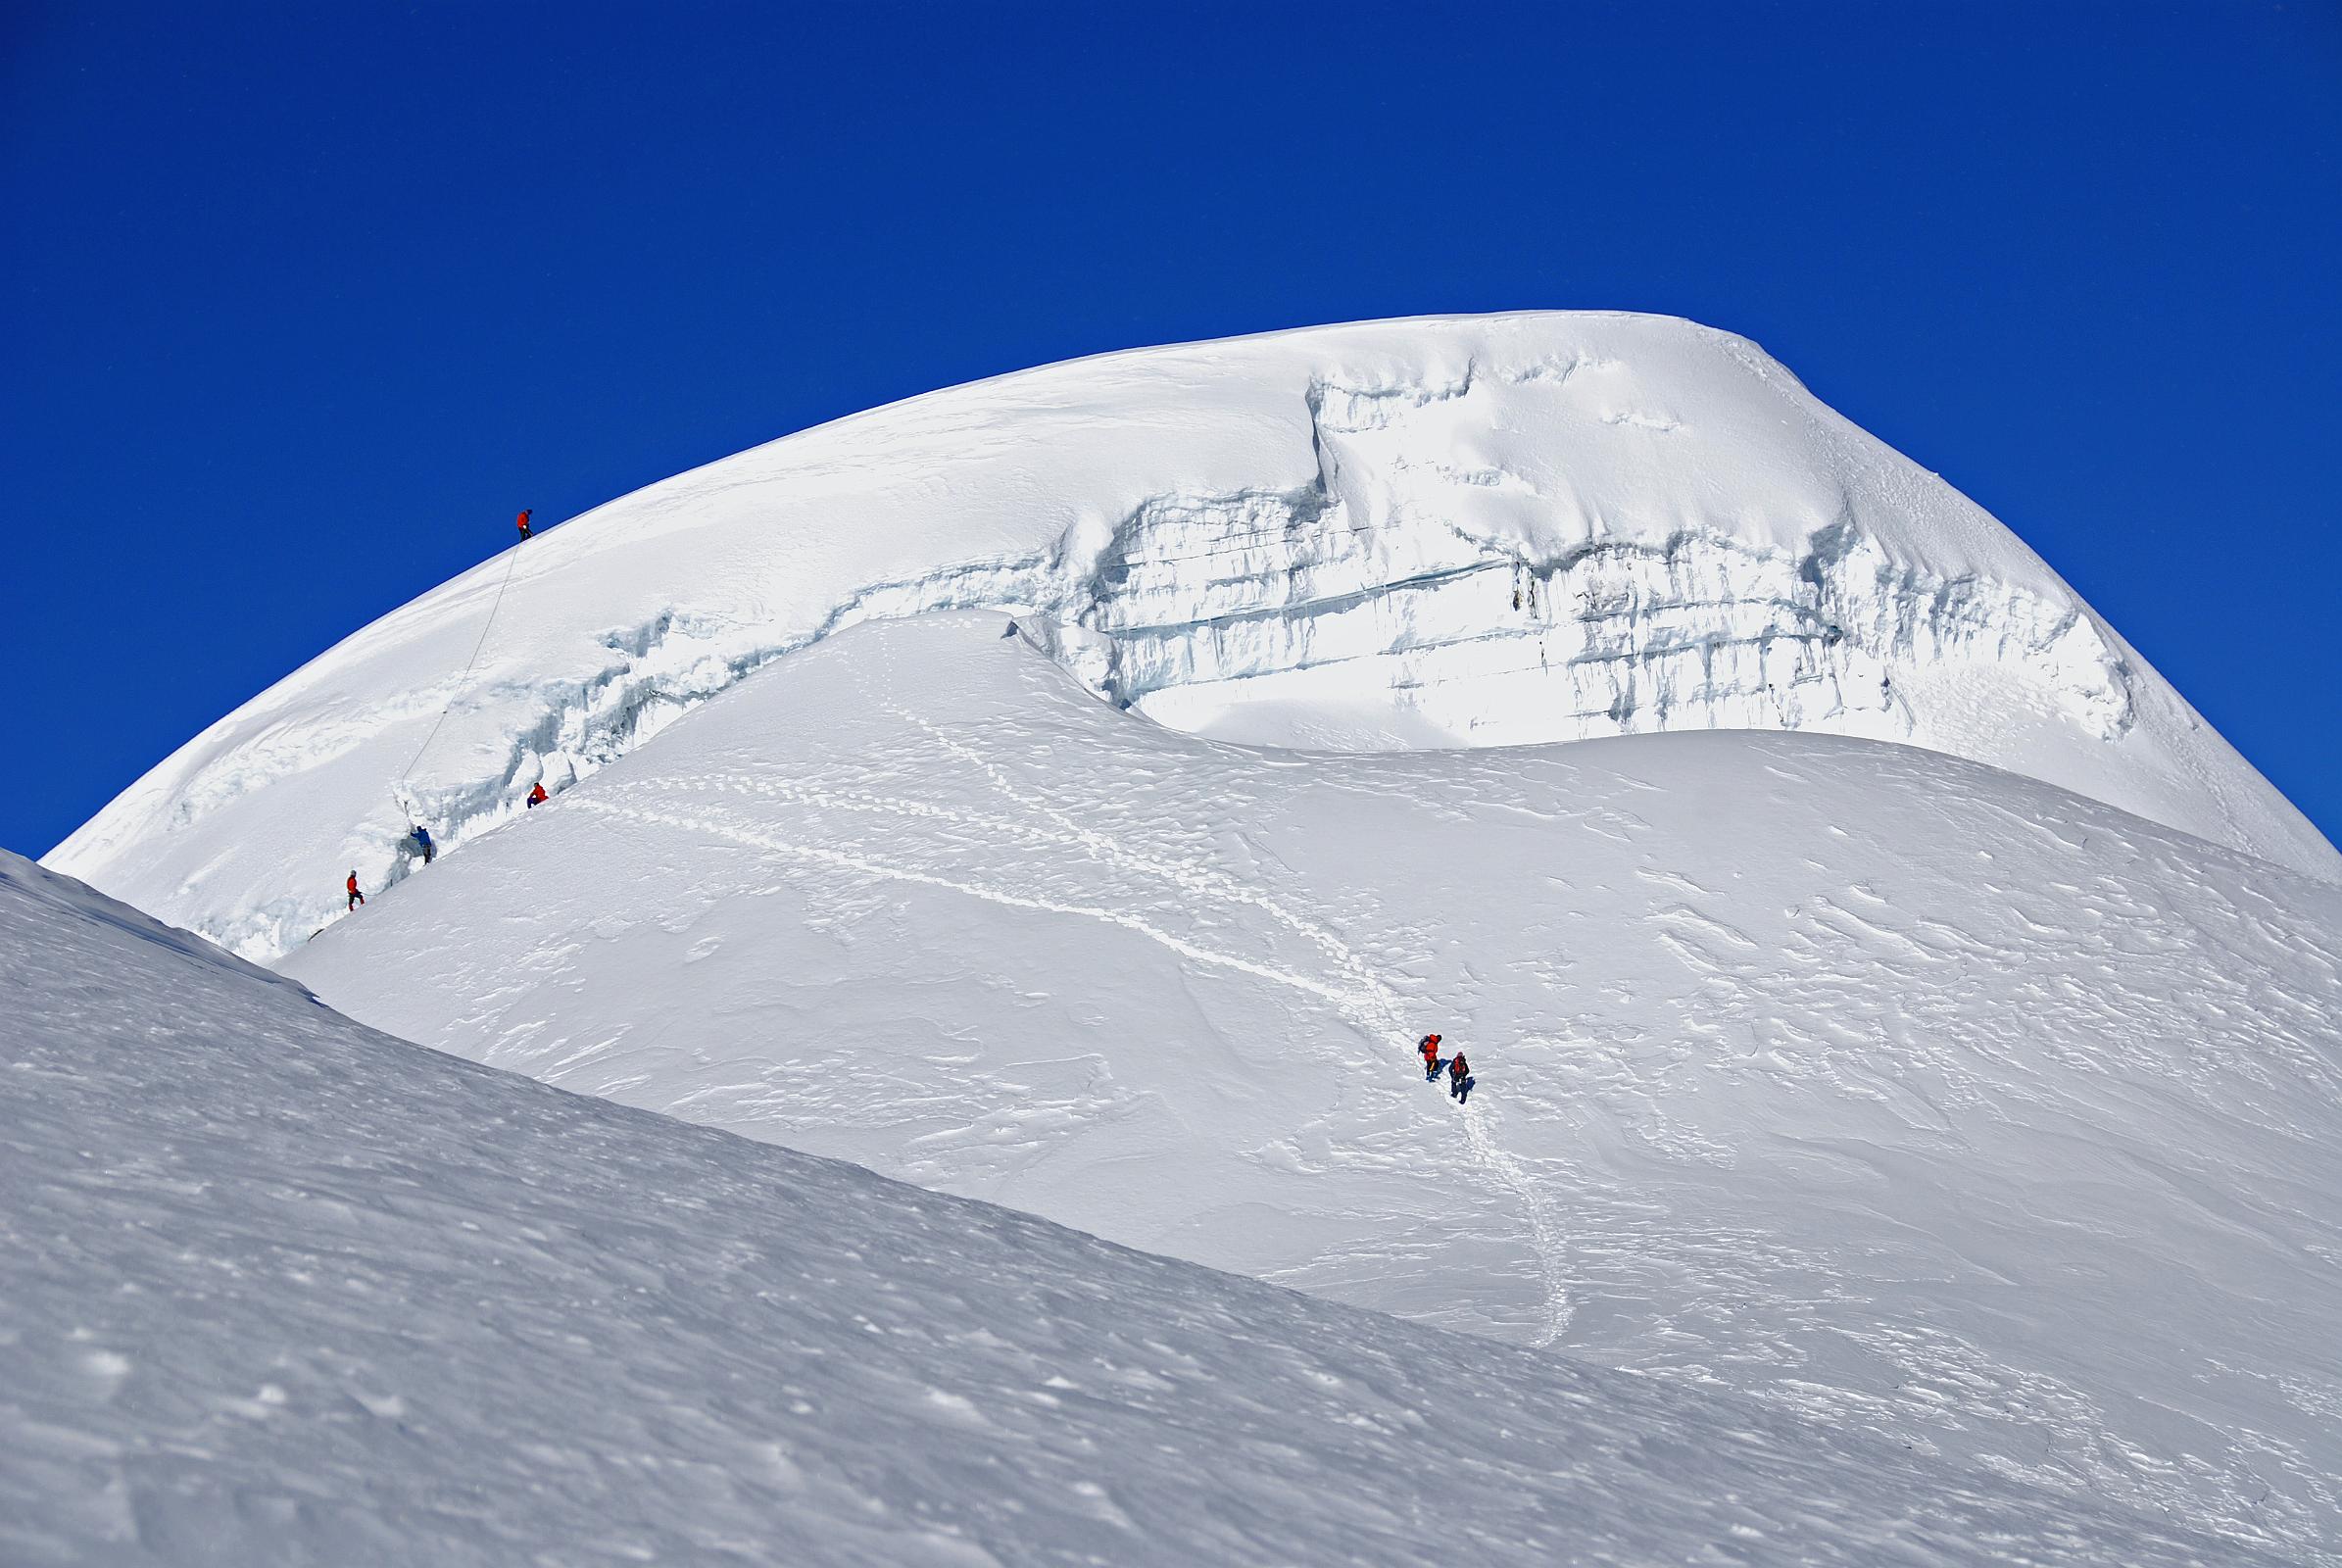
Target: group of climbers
{"x": 425, "y": 846}
{"x": 1459, "y": 1071}
{"x": 418, "y": 834}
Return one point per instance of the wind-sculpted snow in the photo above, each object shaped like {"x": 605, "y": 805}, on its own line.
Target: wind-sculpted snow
{"x": 1907, "y": 1096}
{"x": 1432, "y": 533}
{"x": 276, "y": 1289}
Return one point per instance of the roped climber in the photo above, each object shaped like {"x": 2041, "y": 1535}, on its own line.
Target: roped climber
{"x": 524, "y": 528}
{"x": 423, "y": 841}
{"x": 536, "y": 795}
{"x": 356, "y": 898}
{"x": 1459, "y": 1079}
{"x": 1429, "y": 1048}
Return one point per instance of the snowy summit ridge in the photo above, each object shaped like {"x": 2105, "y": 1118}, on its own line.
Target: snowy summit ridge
{"x": 1437, "y": 532}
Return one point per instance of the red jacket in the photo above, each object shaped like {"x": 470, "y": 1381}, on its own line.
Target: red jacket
{"x": 352, "y": 883}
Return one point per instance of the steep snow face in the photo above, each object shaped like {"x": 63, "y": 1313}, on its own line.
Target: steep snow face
{"x": 1910, "y": 1096}
{"x": 1426, "y": 533}
{"x": 279, "y": 1289}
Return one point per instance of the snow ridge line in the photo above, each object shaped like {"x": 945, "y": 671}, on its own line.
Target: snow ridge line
{"x": 1498, "y": 1167}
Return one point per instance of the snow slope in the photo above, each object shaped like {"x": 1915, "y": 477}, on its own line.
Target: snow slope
{"x": 1910, "y": 1095}
{"x": 278, "y": 1289}
{"x": 1422, "y": 533}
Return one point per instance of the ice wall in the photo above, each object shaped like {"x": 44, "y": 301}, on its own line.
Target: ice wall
{"x": 1234, "y": 614}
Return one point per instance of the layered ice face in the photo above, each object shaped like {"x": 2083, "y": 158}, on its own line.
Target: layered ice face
{"x": 1280, "y": 621}
{"x": 1400, "y": 535}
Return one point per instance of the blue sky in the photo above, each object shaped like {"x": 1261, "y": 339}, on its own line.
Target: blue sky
{"x": 304, "y": 301}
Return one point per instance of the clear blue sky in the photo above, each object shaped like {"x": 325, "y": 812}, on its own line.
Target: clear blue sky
{"x": 304, "y": 301}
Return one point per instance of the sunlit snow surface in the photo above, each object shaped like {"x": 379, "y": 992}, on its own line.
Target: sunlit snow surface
{"x": 1913, "y": 1097}
{"x": 1456, "y": 532}
{"x": 278, "y": 1289}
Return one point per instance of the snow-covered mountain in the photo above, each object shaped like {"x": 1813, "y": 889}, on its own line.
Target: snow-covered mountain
{"x": 1977, "y": 1097}
{"x": 1437, "y": 532}
{"x": 278, "y": 1289}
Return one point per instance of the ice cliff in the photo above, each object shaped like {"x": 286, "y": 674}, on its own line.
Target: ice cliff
{"x": 1392, "y": 535}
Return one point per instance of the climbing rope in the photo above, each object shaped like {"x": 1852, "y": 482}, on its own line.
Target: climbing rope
{"x": 398, "y": 791}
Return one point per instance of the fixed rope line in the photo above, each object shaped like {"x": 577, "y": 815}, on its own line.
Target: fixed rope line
{"x": 513, "y": 560}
